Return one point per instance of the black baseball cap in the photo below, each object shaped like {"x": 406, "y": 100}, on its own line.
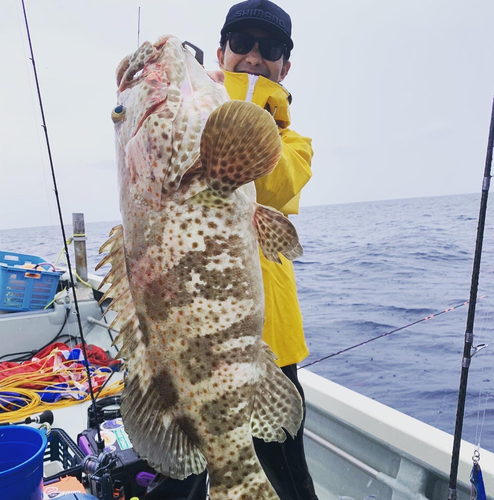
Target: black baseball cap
{"x": 261, "y": 14}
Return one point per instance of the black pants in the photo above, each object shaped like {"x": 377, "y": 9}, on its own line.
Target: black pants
{"x": 284, "y": 464}
{"x": 165, "y": 488}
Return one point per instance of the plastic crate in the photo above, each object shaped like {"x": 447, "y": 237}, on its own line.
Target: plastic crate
{"x": 24, "y": 289}
{"x": 63, "y": 452}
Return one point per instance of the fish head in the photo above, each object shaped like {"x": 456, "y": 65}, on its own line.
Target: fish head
{"x": 164, "y": 98}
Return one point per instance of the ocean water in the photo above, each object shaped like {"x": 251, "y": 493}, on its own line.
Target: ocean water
{"x": 367, "y": 269}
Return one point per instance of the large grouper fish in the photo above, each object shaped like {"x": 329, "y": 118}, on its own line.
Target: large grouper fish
{"x": 185, "y": 279}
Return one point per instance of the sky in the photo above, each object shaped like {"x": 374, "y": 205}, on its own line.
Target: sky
{"x": 396, "y": 95}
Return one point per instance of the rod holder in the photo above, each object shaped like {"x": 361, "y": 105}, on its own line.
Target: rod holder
{"x": 80, "y": 245}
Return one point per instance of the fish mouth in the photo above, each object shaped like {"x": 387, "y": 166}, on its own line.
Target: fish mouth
{"x": 152, "y": 109}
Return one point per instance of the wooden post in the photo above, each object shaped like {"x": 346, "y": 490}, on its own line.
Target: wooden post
{"x": 80, "y": 245}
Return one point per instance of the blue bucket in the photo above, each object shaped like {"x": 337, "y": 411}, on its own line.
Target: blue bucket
{"x": 21, "y": 462}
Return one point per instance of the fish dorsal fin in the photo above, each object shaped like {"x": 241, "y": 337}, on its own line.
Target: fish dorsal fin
{"x": 239, "y": 144}
{"x": 275, "y": 233}
{"x": 277, "y": 404}
{"x": 119, "y": 290}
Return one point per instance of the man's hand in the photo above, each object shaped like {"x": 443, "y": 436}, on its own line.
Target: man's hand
{"x": 217, "y": 76}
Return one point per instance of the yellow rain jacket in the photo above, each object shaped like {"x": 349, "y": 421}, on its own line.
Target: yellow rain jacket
{"x": 283, "y": 328}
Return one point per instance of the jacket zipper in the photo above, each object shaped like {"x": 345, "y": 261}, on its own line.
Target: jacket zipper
{"x": 252, "y": 83}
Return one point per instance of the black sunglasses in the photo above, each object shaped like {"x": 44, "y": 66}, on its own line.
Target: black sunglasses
{"x": 269, "y": 48}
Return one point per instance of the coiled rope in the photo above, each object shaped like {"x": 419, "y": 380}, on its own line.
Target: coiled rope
{"x": 21, "y": 393}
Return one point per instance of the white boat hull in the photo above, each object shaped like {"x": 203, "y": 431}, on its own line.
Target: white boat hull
{"x": 357, "y": 447}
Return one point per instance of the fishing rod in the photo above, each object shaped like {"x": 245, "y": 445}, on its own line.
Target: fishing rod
{"x": 427, "y": 318}
{"x": 100, "y": 441}
{"x": 138, "y": 26}
{"x": 468, "y": 349}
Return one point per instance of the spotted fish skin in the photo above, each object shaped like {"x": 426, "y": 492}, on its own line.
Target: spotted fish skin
{"x": 186, "y": 280}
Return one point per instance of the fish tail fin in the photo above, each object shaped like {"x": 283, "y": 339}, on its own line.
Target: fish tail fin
{"x": 239, "y": 144}
{"x": 275, "y": 233}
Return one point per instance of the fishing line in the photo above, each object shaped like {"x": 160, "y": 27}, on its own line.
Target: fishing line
{"x": 483, "y": 399}
{"x": 108, "y": 329}
{"x": 69, "y": 242}
{"x": 427, "y": 318}
{"x": 72, "y": 281}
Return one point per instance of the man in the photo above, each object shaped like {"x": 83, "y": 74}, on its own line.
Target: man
{"x": 254, "y": 57}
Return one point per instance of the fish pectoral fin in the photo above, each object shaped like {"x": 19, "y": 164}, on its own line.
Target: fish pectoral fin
{"x": 155, "y": 434}
{"x": 277, "y": 403}
{"x": 239, "y": 144}
{"x": 275, "y": 233}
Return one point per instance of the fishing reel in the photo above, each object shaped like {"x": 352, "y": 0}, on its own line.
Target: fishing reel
{"x": 106, "y": 409}
{"x": 98, "y": 470}
{"x": 114, "y": 470}
{"x": 117, "y": 474}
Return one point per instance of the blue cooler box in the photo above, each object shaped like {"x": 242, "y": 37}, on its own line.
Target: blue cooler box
{"x": 26, "y": 288}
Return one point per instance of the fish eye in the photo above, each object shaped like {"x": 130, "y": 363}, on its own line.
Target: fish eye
{"x": 118, "y": 114}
